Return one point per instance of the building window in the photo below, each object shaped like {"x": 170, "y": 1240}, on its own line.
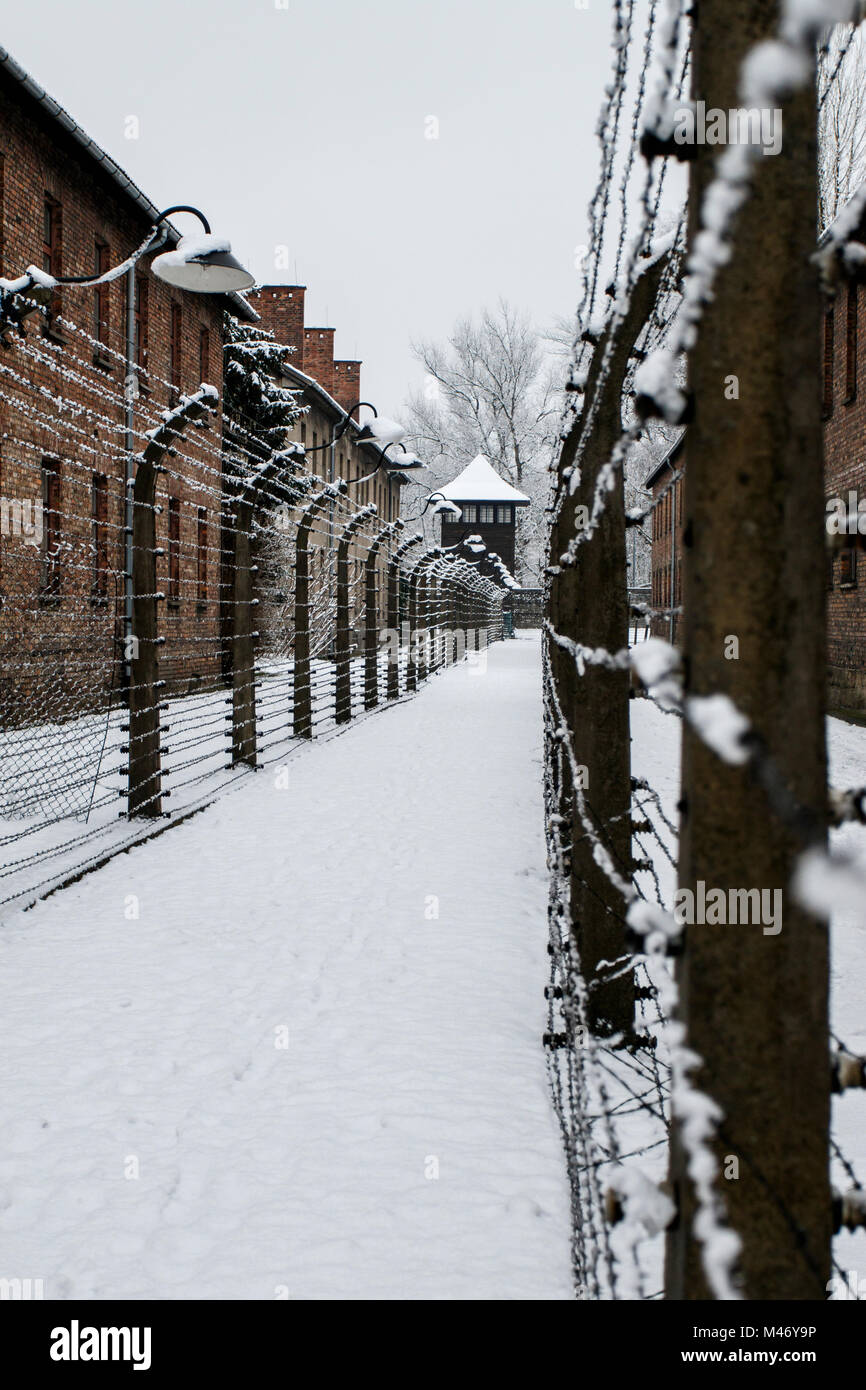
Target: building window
{"x": 51, "y": 519}
{"x": 203, "y": 356}
{"x": 830, "y": 558}
{"x": 470, "y": 513}
{"x": 851, "y": 343}
{"x": 101, "y": 264}
{"x": 175, "y": 348}
{"x": 303, "y": 433}
{"x": 173, "y": 594}
{"x": 52, "y": 250}
{"x": 99, "y": 535}
{"x": 828, "y": 361}
{"x": 503, "y": 516}
{"x": 848, "y": 568}
{"x": 201, "y": 556}
{"x": 485, "y": 514}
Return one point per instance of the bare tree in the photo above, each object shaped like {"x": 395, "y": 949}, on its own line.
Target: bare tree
{"x": 490, "y": 389}
{"x": 841, "y": 121}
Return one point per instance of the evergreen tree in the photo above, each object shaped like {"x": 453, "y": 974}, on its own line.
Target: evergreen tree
{"x": 258, "y": 412}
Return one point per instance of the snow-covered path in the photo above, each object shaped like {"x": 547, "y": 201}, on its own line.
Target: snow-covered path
{"x": 311, "y": 1065}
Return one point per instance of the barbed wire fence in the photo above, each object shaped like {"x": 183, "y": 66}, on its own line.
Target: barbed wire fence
{"x": 643, "y": 1132}
{"x": 268, "y": 608}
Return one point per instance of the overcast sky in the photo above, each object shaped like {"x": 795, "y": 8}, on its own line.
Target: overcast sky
{"x": 303, "y": 124}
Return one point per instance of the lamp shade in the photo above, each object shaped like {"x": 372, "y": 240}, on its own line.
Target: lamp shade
{"x": 403, "y": 463}
{"x": 381, "y": 431}
{"x": 203, "y": 264}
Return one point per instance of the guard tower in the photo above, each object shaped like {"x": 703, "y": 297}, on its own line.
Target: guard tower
{"x": 488, "y": 508}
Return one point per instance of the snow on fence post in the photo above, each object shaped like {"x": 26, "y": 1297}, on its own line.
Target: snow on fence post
{"x": 436, "y": 580}
{"x": 411, "y": 664}
{"x": 302, "y": 720}
{"x": 343, "y": 677}
{"x": 424, "y": 604}
{"x": 241, "y": 635}
{"x": 451, "y": 582}
{"x": 243, "y": 715}
{"x": 144, "y": 750}
{"x": 371, "y": 616}
{"x": 394, "y": 613}
{"x": 594, "y": 698}
{"x": 755, "y": 1004}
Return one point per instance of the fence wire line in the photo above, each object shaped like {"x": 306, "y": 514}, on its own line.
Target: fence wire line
{"x": 592, "y": 1112}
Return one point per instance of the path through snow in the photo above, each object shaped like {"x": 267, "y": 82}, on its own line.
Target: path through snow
{"x": 303, "y": 911}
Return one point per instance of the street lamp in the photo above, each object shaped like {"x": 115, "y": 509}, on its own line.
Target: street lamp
{"x": 203, "y": 264}
{"x": 409, "y": 463}
{"x": 443, "y": 504}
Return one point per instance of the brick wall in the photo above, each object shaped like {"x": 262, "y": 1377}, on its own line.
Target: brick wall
{"x": 319, "y": 356}
{"x": 845, "y": 471}
{"x": 281, "y": 310}
{"x": 347, "y": 382}
{"x": 56, "y": 637}
{"x": 667, "y": 534}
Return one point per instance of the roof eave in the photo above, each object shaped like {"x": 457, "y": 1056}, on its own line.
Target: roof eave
{"x": 100, "y": 157}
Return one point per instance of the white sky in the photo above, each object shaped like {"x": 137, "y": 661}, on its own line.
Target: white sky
{"x": 304, "y": 127}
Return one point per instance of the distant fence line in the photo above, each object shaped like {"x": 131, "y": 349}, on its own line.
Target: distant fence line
{"x": 248, "y": 608}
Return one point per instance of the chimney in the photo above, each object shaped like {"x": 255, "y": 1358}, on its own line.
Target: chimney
{"x": 281, "y": 308}
{"x": 347, "y": 382}
{"x": 319, "y": 357}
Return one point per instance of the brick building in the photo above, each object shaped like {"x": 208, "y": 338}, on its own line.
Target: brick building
{"x": 68, "y": 209}
{"x": 328, "y": 388}
{"x": 666, "y": 536}
{"x": 844, "y": 408}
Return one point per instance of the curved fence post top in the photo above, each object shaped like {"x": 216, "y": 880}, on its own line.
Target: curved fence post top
{"x": 355, "y": 523}
{"x": 378, "y": 540}
{"x": 321, "y": 499}
{"x": 404, "y": 547}
{"x": 269, "y": 471}
{"x": 202, "y": 402}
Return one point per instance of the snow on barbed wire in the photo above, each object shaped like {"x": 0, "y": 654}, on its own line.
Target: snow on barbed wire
{"x": 825, "y": 883}
{"x": 646, "y": 1212}
{"x": 771, "y": 72}
{"x": 721, "y": 726}
{"x": 657, "y": 665}
{"x": 205, "y": 394}
{"x": 667, "y": 55}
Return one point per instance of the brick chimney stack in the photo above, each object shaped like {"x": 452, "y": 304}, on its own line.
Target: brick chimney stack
{"x": 281, "y": 308}
{"x": 319, "y": 356}
{"x": 347, "y": 382}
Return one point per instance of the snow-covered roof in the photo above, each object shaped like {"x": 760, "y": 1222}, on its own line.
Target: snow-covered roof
{"x": 479, "y": 482}
{"x": 668, "y": 460}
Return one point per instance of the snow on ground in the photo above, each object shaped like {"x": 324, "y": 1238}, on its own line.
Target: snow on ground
{"x": 379, "y": 906}
{"x": 161, "y": 1141}
{"x": 60, "y": 784}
